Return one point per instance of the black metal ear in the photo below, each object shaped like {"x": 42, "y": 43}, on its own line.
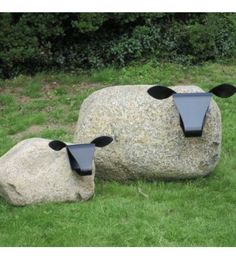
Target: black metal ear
{"x": 160, "y": 92}
{"x": 57, "y": 145}
{"x": 102, "y": 141}
{"x": 224, "y": 90}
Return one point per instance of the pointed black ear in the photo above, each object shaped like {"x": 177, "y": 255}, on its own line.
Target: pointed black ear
{"x": 160, "y": 92}
{"x": 57, "y": 145}
{"x": 224, "y": 90}
{"x": 102, "y": 141}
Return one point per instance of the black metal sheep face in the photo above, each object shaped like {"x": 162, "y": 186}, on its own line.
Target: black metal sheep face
{"x": 81, "y": 155}
{"x": 192, "y": 107}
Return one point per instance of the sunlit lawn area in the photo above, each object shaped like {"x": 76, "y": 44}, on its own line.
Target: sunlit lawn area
{"x": 199, "y": 212}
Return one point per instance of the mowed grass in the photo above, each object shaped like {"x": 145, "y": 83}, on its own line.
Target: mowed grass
{"x": 200, "y": 212}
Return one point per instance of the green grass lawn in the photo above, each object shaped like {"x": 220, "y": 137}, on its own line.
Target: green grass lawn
{"x": 199, "y": 212}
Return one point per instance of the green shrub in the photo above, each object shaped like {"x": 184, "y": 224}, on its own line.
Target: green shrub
{"x": 35, "y": 42}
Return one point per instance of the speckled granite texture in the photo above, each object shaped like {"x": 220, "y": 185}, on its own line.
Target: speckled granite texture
{"x": 31, "y": 172}
{"x": 148, "y": 140}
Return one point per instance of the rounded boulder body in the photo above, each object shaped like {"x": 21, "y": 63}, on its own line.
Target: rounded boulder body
{"x": 31, "y": 172}
{"x": 148, "y": 141}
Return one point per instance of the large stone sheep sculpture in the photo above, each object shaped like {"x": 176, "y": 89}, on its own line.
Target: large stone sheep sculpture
{"x": 148, "y": 138}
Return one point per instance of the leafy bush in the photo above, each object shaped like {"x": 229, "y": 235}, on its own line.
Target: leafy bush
{"x": 35, "y": 42}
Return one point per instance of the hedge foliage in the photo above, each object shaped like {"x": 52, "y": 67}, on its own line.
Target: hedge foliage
{"x": 31, "y": 42}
